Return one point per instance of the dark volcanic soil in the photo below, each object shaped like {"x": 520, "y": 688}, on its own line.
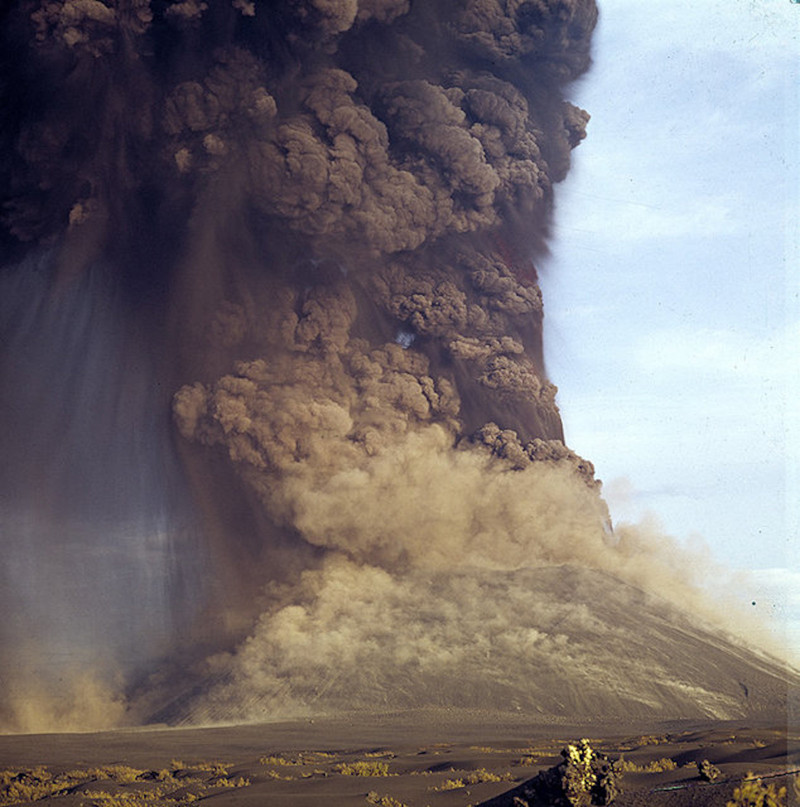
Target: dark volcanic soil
{"x": 412, "y": 758}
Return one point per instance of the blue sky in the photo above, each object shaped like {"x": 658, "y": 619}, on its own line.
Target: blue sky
{"x": 671, "y": 295}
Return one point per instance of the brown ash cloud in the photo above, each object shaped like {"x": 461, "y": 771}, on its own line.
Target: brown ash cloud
{"x": 288, "y": 246}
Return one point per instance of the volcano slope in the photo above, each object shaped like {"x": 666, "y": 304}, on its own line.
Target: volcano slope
{"x": 555, "y": 643}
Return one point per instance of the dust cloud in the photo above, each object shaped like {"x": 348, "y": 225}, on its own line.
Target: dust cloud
{"x": 276, "y": 423}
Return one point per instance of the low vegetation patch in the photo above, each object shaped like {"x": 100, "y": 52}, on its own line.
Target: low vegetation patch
{"x": 133, "y": 798}
{"x": 132, "y": 787}
{"x": 708, "y": 772}
{"x": 384, "y": 801}
{"x": 218, "y": 768}
{"x": 363, "y": 768}
{"x": 276, "y": 761}
{"x": 449, "y": 784}
{"x": 656, "y": 766}
{"x": 474, "y": 778}
{"x": 30, "y": 785}
{"x": 283, "y": 777}
{"x": 303, "y": 758}
{"x": 753, "y": 793}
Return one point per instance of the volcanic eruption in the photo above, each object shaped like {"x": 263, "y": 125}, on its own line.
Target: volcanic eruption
{"x": 277, "y": 429}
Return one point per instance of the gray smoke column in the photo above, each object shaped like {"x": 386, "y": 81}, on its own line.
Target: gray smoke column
{"x": 272, "y": 358}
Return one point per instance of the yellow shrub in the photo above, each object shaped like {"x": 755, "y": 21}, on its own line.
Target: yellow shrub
{"x": 276, "y": 761}
{"x": 482, "y": 775}
{"x": 656, "y": 766}
{"x": 224, "y": 781}
{"x": 123, "y": 774}
{"x": 752, "y": 793}
{"x": 451, "y": 784}
{"x": 371, "y": 768}
{"x": 218, "y": 768}
{"x": 29, "y": 784}
{"x": 279, "y": 776}
{"x": 384, "y": 801}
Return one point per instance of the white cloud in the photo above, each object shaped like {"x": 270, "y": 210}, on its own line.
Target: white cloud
{"x": 735, "y": 353}
{"x": 637, "y": 221}
{"x": 688, "y": 104}
{"x": 780, "y": 585}
{"x": 753, "y": 29}
{"x": 772, "y": 596}
{"x": 675, "y": 350}
{"x": 776, "y": 597}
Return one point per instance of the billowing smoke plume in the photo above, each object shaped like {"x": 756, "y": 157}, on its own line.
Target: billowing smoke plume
{"x": 272, "y": 359}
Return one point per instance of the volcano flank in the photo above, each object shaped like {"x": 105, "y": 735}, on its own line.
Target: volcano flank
{"x": 558, "y": 643}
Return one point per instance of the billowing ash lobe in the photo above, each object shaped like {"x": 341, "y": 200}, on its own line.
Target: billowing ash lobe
{"x": 272, "y": 344}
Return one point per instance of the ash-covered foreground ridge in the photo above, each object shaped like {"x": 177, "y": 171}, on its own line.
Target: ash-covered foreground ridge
{"x": 272, "y": 346}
